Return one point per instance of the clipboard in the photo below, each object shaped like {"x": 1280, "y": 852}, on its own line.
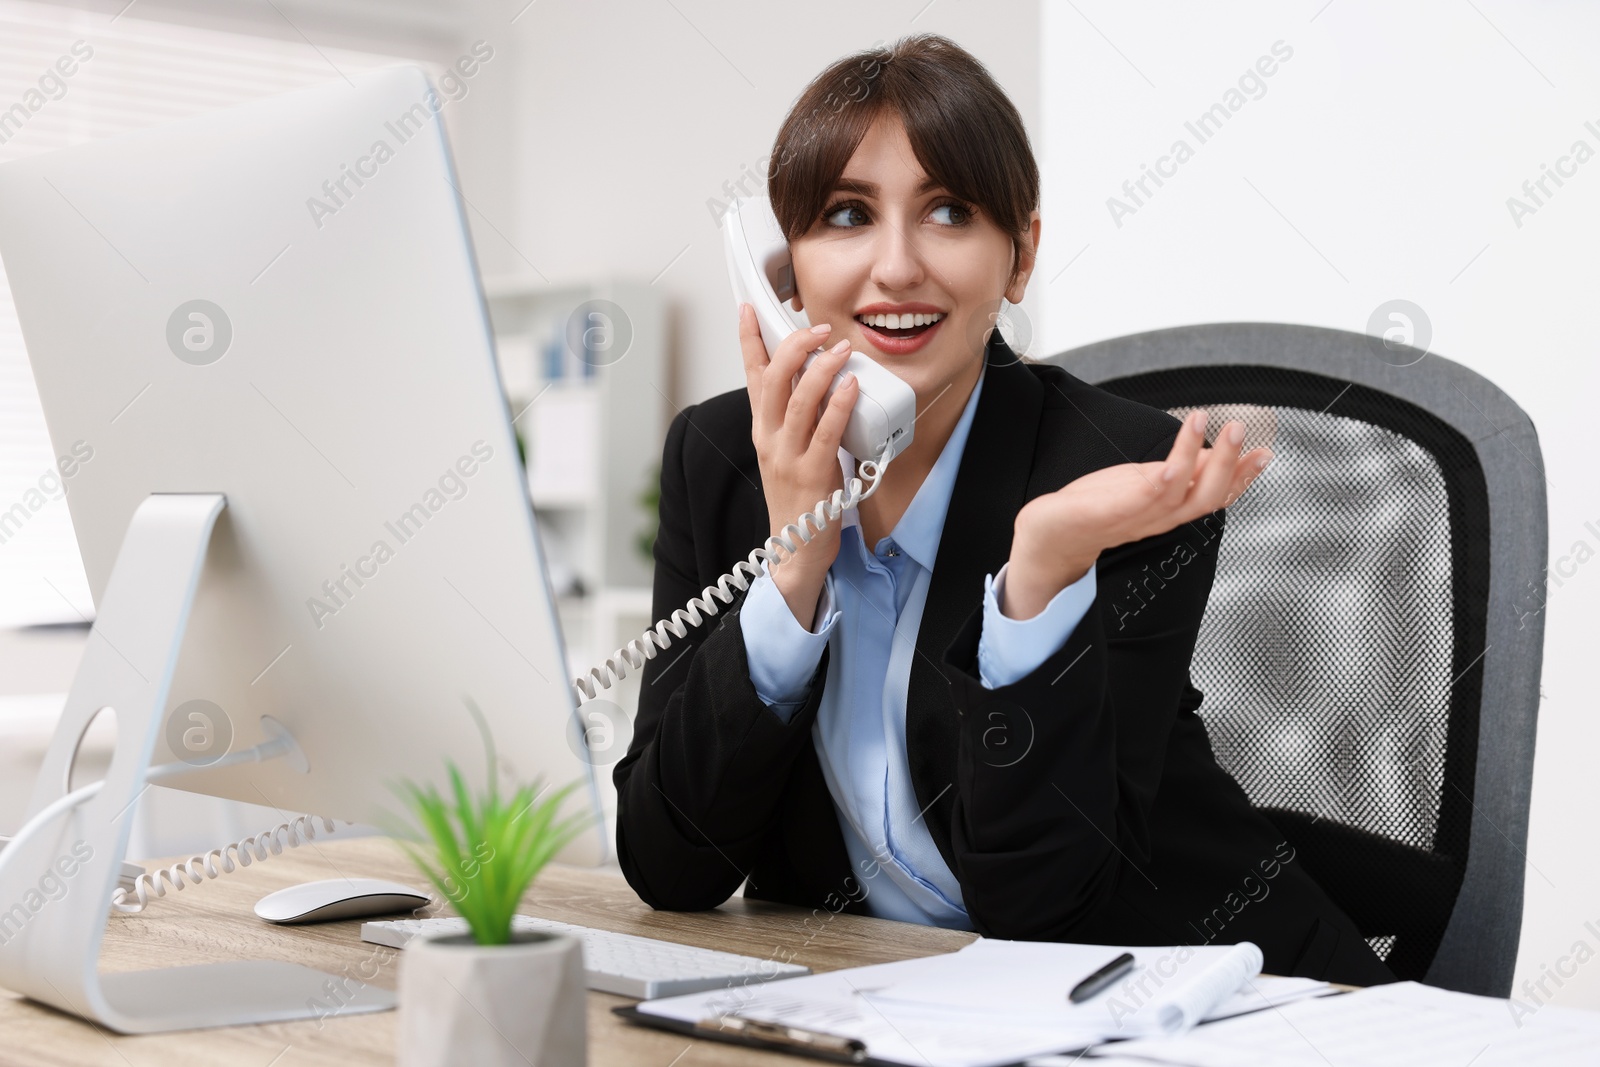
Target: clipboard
{"x": 991, "y": 1003}
{"x": 766, "y": 1038}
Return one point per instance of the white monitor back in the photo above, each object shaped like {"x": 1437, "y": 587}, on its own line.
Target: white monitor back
{"x": 377, "y": 563}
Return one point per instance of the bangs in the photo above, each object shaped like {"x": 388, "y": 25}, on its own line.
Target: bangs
{"x": 964, "y": 131}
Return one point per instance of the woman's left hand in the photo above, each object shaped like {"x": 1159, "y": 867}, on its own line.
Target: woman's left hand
{"x": 1058, "y": 536}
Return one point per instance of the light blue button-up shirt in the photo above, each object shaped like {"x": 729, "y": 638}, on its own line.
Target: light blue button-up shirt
{"x": 871, "y": 609}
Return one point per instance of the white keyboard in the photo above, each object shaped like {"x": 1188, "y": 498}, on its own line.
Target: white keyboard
{"x": 616, "y": 963}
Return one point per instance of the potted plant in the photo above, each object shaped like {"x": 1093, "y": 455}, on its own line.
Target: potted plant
{"x": 494, "y": 995}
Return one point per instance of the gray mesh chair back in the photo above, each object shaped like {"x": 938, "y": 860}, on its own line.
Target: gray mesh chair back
{"x": 1370, "y": 654}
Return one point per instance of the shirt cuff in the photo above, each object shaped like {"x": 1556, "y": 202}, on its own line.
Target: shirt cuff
{"x": 782, "y": 655}
{"x": 1011, "y": 649}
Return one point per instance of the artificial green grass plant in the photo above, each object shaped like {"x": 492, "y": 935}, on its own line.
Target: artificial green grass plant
{"x": 481, "y": 852}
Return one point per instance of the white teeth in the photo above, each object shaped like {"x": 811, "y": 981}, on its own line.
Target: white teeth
{"x": 899, "y": 322}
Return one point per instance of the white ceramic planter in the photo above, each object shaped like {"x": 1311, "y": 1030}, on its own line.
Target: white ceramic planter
{"x": 492, "y": 1005}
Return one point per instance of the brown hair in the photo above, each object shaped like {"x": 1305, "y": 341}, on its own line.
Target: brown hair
{"x": 964, "y": 130}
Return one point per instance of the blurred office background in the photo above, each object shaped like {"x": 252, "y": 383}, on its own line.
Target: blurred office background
{"x": 1383, "y": 158}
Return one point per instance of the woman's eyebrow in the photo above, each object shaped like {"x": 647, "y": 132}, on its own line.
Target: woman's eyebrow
{"x": 866, "y": 188}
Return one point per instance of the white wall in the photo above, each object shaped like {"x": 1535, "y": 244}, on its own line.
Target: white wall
{"x": 1377, "y": 164}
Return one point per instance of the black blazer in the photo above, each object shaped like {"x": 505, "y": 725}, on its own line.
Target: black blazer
{"x": 1081, "y": 803}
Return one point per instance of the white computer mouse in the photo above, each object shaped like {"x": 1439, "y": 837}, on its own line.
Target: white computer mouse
{"x": 338, "y": 898}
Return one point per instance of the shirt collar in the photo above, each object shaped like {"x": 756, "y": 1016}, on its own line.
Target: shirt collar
{"x": 919, "y": 529}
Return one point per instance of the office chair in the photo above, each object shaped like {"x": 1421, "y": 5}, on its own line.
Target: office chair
{"x": 1371, "y": 651}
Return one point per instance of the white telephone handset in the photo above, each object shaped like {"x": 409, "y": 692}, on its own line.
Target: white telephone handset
{"x": 762, "y": 273}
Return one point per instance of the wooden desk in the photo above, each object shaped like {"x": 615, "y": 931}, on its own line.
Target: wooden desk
{"x": 213, "y": 921}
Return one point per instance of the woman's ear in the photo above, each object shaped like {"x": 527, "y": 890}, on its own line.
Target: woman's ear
{"x": 1027, "y": 257}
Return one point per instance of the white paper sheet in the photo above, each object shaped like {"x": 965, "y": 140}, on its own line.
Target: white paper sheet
{"x": 993, "y": 1002}
{"x": 830, "y": 1003}
{"x": 1026, "y": 983}
{"x": 1266, "y": 991}
{"x": 1258, "y": 994}
{"x": 1400, "y": 1025}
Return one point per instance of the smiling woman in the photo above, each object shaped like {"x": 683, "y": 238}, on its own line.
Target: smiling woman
{"x": 930, "y": 172}
{"x": 928, "y": 712}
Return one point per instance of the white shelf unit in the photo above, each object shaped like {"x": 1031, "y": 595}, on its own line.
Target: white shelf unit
{"x": 593, "y": 427}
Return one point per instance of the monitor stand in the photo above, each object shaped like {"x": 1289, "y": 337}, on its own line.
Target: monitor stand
{"x": 58, "y": 874}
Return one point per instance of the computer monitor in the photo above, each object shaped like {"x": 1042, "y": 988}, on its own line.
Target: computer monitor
{"x": 279, "y": 303}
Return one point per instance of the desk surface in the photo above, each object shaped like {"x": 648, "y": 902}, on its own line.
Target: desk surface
{"x": 213, "y": 921}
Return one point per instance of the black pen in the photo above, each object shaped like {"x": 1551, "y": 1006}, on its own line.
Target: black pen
{"x": 1101, "y": 979}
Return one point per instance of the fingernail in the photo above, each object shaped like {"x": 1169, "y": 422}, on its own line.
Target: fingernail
{"x": 849, "y": 378}
{"x": 821, "y": 327}
{"x": 1235, "y": 434}
{"x": 1197, "y": 420}
{"x": 842, "y": 346}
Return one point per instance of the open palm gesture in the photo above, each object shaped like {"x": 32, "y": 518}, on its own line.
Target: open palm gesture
{"x": 1058, "y": 536}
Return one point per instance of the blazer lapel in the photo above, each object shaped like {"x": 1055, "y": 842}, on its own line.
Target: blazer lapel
{"x": 990, "y": 488}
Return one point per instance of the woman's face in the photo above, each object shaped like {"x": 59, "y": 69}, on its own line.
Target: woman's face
{"x": 889, "y": 245}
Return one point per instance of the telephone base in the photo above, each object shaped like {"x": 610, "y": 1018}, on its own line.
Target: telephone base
{"x": 234, "y": 993}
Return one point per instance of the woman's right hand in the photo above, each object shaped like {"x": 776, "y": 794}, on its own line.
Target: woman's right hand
{"x": 797, "y": 451}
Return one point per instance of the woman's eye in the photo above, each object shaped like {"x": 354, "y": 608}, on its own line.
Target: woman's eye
{"x": 960, "y": 213}
{"x": 846, "y": 216}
